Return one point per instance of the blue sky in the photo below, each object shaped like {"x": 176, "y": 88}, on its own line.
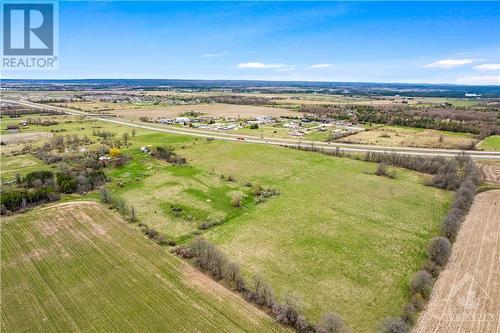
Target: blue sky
{"x": 432, "y": 42}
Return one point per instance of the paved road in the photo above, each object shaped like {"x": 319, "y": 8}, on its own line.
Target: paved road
{"x": 262, "y": 140}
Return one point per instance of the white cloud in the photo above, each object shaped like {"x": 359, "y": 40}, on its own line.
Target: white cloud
{"x": 259, "y": 65}
{"x": 287, "y": 68}
{"x": 482, "y": 79}
{"x": 214, "y": 55}
{"x": 320, "y": 66}
{"x": 487, "y": 67}
{"x": 449, "y": 63}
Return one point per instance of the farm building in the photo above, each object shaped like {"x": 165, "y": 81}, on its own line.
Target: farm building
{"x": 13, "y": 128}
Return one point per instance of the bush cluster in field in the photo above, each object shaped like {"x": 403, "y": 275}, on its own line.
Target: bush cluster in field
{"x": 168, "y": 154}
{"x": 39, "y": 187}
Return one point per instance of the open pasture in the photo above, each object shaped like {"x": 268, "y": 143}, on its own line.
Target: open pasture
{"x": 340, "y": 237}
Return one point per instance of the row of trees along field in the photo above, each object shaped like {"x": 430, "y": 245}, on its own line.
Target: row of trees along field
{"x": 288, "y": 310}
{"x": 480, "y": 122}
{"x": 458, "y": 174}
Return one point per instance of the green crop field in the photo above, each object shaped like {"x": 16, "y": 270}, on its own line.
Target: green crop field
{"x": 339, "y": 237}
{"x": 79, "y": 267}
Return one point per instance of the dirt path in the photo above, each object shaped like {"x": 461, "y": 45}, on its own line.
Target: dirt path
{"x": 466, "y": 297}
{"x": 490, "y": 172}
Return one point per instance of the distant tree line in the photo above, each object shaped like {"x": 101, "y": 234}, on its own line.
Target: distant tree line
{"x": 339, "y": 112}
{"x": 16, "y": 112}
{"x": 242, "y": 100}
{"x": 482, "y": 123}
{"x": 208, "y": 258}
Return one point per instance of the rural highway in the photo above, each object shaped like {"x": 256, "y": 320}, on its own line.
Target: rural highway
{"x": 262, "y": 140}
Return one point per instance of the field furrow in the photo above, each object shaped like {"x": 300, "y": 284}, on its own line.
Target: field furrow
{"x": 466, "y": 297}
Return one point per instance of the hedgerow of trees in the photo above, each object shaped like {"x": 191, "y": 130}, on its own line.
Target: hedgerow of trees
{"x": 208, "y": 258}
{"x": 460, "y": 174}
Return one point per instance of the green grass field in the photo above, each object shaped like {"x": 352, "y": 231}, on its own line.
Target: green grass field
{"x": 342, "y": 238}
{"x": 491, "y": 143}
{"x": 79, "y": 267}
{"x": 338, "y": 236}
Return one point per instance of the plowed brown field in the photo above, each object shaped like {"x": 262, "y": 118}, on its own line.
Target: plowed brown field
{"x": 466, "y": 297}
{"x": 490, "y": 172}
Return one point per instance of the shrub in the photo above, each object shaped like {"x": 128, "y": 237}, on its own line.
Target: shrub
{"x": 433, "y": 268}
{"x": 394, "y": 325}
{"x": 132, "y": 214}
{"x": 446, "y": 177}
{"x": 164, "y": 240}
{"x": 465, "y": 195}
{"x": 422, "y": 283}
{"x": 303, "y": 326}
{"x": 36, "y": 176}
{"x": 236, "y": 199}
{"x": 439, "y": 250}
{"x": 383, "y": 171}
{"x": 151, "y": 233}
{"x": 105, "y": 195}
{"x": 451, "y": 223}
{"x": 208, "y": 258}
{"x": 184, "y": 251}
{"x": 418, "y": 301}
{"x": 232, "y": 273}
{"x": 409, "y": 313}
{"x": 332, "y": 323}
{"x": 287, "y": 312}
{"x": 168, "y": 154}
{"x": 263, "y": 293}
{"x": 115, "y": 152}
{"x": 66, "y": 182}
{"x": 210, "y": 223}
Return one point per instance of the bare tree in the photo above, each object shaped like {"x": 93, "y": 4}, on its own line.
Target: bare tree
{"x": 439, "y": 250}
